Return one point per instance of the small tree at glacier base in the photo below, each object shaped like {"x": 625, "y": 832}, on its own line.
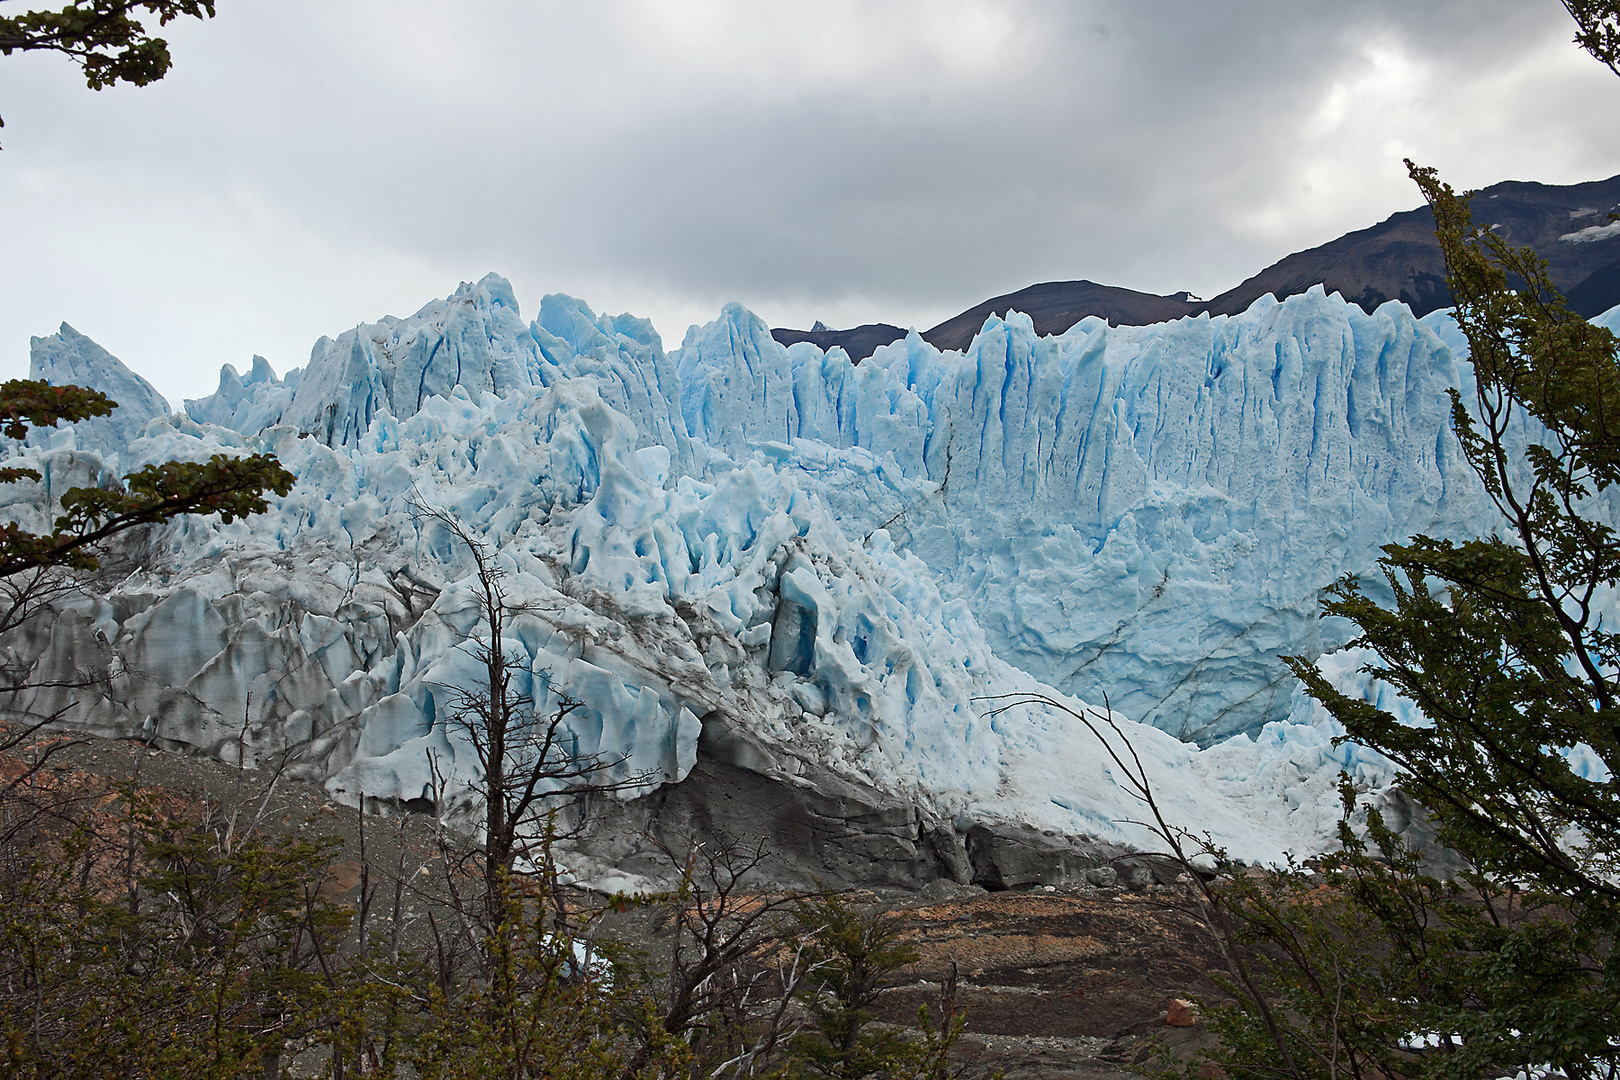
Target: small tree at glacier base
{"x": 527, "y": 755}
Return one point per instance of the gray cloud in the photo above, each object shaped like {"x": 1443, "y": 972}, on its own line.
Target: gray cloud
{"x": 308, "y": 165}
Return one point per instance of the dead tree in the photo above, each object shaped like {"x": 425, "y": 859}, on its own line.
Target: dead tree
{"x": 733, "y": 973}
{"x": 527, "y": 753}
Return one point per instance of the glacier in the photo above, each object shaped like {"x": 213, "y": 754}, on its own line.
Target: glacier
{"x": 818, "y": 571}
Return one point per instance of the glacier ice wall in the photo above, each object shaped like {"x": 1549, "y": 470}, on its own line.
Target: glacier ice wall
{"x": 1148, "y": 512}
{"x": 801, "y": 564}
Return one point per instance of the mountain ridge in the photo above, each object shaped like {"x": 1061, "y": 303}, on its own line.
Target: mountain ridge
{"x": 1396, "y": 259}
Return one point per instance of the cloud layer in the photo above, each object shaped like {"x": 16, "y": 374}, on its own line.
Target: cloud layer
{"x": 307, "y": 164}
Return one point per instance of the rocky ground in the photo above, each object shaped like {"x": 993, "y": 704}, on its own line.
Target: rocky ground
{"x": 1059, "y": 982}
{"x": 1066, "y": 983}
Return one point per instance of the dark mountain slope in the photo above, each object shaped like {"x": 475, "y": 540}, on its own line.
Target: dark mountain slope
{"x": 1598, "y": 293}
{"x": 860, "y": 342}
{"x": 1397, "y": 259}
{"x": 1058, "y": 305}
{"x": 1394, "y": 260}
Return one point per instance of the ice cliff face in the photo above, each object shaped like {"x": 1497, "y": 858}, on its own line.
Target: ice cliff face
{"x": 1146, "y": 512}
{"x": 798, "y": 565}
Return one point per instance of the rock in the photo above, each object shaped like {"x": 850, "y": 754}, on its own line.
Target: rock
{"x": 945, "y": 889}
{"x": 813, "y": 831}
{"x": 1142, "y": 872}
{"x": 1181, "y": 1013}
{"x": 1103, "y": 877}
{"x": 1139, "y": 878}
{"x": 1412, "y": 822}
{"x": 1009, "y": 856}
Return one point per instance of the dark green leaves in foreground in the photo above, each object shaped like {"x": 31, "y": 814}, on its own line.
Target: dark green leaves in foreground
{"x": 1500, "y": 641}
{"x": 1599, "y": 29}
{"x": 26, "y": 403}
{"x": 1502, "y": 645}
{"x": 110, "y": 40}
{"x": 231, "y": 487}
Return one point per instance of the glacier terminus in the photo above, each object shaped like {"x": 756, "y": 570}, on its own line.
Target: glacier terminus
{"x": 776, "y": 569}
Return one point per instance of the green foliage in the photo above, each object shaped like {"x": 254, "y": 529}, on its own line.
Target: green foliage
{"x": 1599, "y": 29}
{"x": 232, "y": 487}
{"x": 537, "y": 1015}
{"x": 25, "y": 402}
{"x": 855, "y": 955}
{"x": 1500, "y": 642}
{"x": 137, "y": 945}
{"x": 1383, "y": 970}
{"x": 139, "y": 941}
{"x": 110, "y": 40}
{"x": 28, "y": 403}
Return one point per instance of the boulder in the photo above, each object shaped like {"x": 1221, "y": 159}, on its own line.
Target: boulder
{"x": 1005, "y": 856}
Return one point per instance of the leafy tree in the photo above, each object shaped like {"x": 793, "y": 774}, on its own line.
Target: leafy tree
{"x": 1502, "y": 643}
{"x": 144, "y": 935}
{"x": 1360, "y": 964}
{"x": 1377, "y": 969}
{"x": 855, "y": 954}
{"x": 539, "y": 1016}
{"x": 232, "y": 487}
{"x": 1599, "y": 23}
{"x": 110, "y": 40}
{"x": 39, "y": 568}
{"x": 135, "y": 942}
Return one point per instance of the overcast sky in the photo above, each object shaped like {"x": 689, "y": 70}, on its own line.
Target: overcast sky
{"x": 311, "y": 164}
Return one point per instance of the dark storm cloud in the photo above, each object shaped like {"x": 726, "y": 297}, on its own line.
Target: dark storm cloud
{"x": 310, "y": 164}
